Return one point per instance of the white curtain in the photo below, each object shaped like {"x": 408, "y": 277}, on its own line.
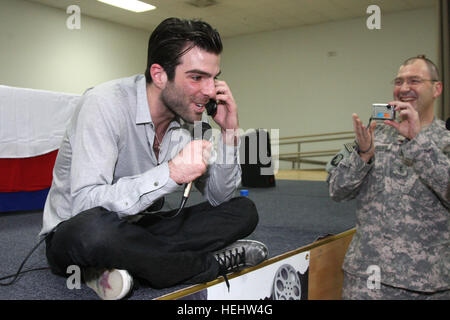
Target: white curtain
{"x": 33, "y": 122}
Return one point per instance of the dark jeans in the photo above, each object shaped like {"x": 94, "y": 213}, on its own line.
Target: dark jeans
{"x": 165, "y": 252}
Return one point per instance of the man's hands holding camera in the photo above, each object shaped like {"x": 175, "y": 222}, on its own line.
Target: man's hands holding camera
{"x": 409, "y": 126}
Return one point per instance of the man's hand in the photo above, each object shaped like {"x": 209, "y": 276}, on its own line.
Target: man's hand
{"x": 191, "y": 162}
{"x": 409, "y": 126}
{"x": 364, "y": 137}
{"x": 227, "y": 114}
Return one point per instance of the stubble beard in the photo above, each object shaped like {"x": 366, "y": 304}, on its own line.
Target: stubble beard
{"x": 173, "y": 101}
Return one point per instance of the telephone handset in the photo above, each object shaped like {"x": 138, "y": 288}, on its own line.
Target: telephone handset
{"x": 211, "y": 107}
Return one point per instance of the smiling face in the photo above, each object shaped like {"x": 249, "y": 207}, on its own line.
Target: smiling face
{"x": 193, "y": 84}
{"x": 416, "y": 87}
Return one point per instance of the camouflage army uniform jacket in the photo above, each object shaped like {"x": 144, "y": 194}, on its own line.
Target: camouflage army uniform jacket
{"x": 402, "y": 216}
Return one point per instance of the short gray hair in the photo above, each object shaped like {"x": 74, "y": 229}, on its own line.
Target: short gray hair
{"x": 432, "y": 69}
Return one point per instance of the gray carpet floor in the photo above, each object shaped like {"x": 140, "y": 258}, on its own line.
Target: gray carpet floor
{"x": 292, "y": 214}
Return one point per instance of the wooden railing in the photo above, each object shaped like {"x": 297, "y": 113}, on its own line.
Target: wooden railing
{"x": 297, "y": 157}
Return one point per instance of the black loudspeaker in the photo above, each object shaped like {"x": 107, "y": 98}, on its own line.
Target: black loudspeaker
{"x": 256, "y": 160}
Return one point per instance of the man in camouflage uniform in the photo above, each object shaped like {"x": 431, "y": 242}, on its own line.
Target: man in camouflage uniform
{"x": 399, "y": 176}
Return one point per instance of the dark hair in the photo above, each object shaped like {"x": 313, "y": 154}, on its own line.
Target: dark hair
{"x": 173, "y": 37}
{"x": 432, "y": 69}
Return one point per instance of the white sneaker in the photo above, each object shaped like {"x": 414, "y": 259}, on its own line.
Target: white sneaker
{"x": 110, "y": 284}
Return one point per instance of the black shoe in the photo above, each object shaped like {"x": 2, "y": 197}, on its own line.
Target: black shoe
{"x": 239, "y": 255}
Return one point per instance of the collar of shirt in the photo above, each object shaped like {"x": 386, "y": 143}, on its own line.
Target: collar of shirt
{"x": 142, "y": 108}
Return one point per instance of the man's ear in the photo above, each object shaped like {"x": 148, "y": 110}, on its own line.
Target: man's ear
{"x": 437, "y": 90}
{"x": 159, "y": 75}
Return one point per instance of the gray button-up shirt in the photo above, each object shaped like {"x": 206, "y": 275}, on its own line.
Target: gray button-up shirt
{"x": 106, "y": 157}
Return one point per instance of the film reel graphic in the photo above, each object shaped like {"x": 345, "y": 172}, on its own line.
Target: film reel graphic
{"x": 286, "y": 284}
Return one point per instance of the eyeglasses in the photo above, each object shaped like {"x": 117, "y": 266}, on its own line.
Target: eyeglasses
{"x": 398, "y": 82}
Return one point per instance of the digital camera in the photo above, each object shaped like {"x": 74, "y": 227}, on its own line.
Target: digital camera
{"x": 383, "y": 111}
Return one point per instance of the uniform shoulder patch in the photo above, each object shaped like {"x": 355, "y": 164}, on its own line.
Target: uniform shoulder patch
{"x": 337, "y": 158}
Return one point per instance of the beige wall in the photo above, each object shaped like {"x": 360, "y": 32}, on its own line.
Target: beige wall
{"x": 38, "y": 50}
{"x": 285, "y": 79}
{"x": 282, "y": 80}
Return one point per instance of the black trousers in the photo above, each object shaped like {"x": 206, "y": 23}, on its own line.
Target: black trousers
{"x": 164, "y": 252}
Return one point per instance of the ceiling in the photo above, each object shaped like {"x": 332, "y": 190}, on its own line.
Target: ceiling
{"x": 239, "y": 17}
